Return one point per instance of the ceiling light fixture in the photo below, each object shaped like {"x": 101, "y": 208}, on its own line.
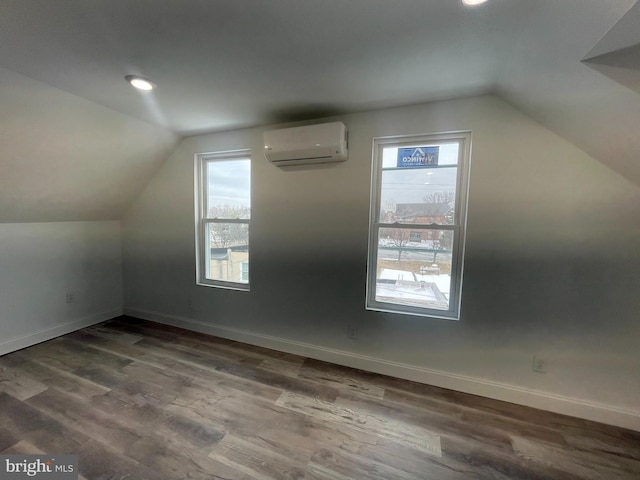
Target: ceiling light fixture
{"x": 139, "y": 82}
{"x": 471, "y": 3}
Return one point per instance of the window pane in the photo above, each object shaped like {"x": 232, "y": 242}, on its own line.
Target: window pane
{"x": 447, "y": 154}
{"x": 228, "y": 188}
{"x": 420, "y": 195}
{"x": 227, "y": 258}
{"x": 414, "y": 267}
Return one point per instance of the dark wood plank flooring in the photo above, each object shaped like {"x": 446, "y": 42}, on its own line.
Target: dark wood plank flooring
{"x": 138, "y": 400}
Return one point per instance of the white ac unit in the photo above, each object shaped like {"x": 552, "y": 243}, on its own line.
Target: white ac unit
{"x": 323, "y": 143}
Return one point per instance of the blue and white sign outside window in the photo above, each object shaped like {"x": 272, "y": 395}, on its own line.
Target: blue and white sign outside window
{"x": 418, "y": 157}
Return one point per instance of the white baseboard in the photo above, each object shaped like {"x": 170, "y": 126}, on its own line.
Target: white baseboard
{"x": 499, "y": 391}
{"x": 33, "y": 338}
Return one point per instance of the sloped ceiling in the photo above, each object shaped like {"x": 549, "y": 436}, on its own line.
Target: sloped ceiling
{"x": 77, "y": 142}
{"x": 64, "y": 158}
{"x": 617, "y": 54}
{"x": 546, "y": 78}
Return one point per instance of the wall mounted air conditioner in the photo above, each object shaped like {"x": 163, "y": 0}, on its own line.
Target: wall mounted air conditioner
{"x": 323, "y": 143}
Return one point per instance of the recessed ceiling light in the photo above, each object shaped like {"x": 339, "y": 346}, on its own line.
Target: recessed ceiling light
{"x": 471, "y": 3}
{"x": 140, "y": 83}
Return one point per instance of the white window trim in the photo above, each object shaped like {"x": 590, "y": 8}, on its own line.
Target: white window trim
{"x": 201, "y": 241}
{"x": 459, "y": 226}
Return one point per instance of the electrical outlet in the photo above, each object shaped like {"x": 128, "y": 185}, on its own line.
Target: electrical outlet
{"x": 539, "y": 364}
{"x": 71, "y": 297}
{"x": 352, "y": 332}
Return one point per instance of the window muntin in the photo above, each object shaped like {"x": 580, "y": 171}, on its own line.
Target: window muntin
{"x": 418, "y": 216}
{"x": 224, "y": 215}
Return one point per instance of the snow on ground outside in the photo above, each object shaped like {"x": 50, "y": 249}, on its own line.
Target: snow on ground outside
{"x": 443, "y": 282}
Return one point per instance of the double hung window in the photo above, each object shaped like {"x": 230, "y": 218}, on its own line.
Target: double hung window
{"x": 223, "y": 219}
{"x": 417, "y": 224}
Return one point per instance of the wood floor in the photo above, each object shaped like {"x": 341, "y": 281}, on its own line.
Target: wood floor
{"x": 138, "y": 400}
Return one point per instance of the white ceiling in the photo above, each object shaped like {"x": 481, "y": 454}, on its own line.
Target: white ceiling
{"x": 220, "y": 64}
{"x": 223, "y": 64}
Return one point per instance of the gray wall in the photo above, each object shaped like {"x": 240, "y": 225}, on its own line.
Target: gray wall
{"x": 40, "y": 263}
{"x": 552, "y": 263}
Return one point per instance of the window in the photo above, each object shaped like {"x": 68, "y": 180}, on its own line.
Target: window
{"x": 223, "y": 217}
{"x": 417, "y": 225}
